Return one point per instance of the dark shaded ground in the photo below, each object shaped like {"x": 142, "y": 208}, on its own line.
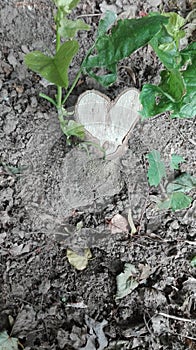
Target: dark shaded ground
{"x": 47, "y": 189}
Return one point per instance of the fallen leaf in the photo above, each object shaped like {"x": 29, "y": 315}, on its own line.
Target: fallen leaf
{"x": 80, "y": 262}
{"x": 118, "y": 224}
{"x": 145, "y": 271}
{"x": 96, "y": 334}
{"x": 7, "y": 342}
{"x": 126, "y": 282}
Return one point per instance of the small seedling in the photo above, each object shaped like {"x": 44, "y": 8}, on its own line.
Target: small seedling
{"x": 174, "y": 191}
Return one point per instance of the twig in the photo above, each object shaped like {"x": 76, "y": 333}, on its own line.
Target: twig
{"x": 90, "y": 15}
{"x": 177, "y": 318}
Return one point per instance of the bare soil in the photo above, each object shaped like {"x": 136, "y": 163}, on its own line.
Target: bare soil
{"x": 54, "y": 197}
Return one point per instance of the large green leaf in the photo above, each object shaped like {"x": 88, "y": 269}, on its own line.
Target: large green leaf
{"x": 186, "y": 108}
{"x": 176, "y": 201}
{"x": 54, "y": 69}
{"x": 69, "y": 28}
{"x": 156, "y": 170}
{"x": 153, "y": 101}
{"x": 175, "y": 93}
{"x": 125, "y": 37}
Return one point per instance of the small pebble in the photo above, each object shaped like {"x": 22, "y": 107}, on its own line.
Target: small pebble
{"x": 12, "y": 60}
{"x": 34, "y": 102}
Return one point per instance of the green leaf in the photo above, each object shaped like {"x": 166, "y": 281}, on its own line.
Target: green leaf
{"x": 69, "y": 28}
{"x": 71, "y": 128}
{"x": 165, "y": 43}
{"x": 153, "y": 101}
{"x": 173, "y": 26}
{"x": 54, "y": 69}
{"x": 156, "y": 170}
{"x": 193, "y": 262}
{"x": 80, "y": 262}
{"x": 189, "y": 53}
{"x": 182, "y": 183}
{"x": 125, "y": 37}
{"x": 172, "y": 85}
{"x": 176, "y": 160}
{"x": 189, "y": 76}
{"x": 8, "y": 343}
{"x": 176, "y": 201}
{"x": 126, "y": 282}
{"x": 66, "y": 5}
{"x": 106, "y": 23}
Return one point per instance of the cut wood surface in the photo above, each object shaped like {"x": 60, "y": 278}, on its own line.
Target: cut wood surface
{"x": 109, "y": 123}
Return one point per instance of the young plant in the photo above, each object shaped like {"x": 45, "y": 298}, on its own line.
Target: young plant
{"x": 115, "y": 40}
{"x": 174, "y": 192}
{"x": 55, "y": 68}
{"x": 176, "y": 92}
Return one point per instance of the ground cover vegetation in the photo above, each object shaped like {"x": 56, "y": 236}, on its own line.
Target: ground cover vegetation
{"x": 175, "y": 94}
{"x": 116, "y": 40}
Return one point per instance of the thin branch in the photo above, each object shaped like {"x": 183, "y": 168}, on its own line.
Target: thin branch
{"x": 177, "y": 318}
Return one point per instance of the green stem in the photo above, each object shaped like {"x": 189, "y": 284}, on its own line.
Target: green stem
{"x": 58, "y": 37}
{"x": 77, "y": 76}
{"x": 73, "y": 86}
{"x": 58, "y": 45}
{"x": 48, "y": 98}
{"x": 59, "y": 97}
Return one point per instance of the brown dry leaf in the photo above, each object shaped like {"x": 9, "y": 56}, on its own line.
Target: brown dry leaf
{"x": 118, "y": 224}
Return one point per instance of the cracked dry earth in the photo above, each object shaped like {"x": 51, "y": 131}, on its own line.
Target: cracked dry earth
{"x": 54, "y": 197}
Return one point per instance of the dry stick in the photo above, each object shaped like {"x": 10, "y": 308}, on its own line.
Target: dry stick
{"x": 177, "y": 318}
{"x": 148, "y": 328}
{"x": 90, "y": 15}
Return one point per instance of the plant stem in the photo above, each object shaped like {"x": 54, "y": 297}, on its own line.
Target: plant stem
{"x": 73, "y": 86}
{"x": 48, "y": 98}
{"x": 78, "y": 75}
{"x": 58, "y": 44}
{"x": 59, "y": 97}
